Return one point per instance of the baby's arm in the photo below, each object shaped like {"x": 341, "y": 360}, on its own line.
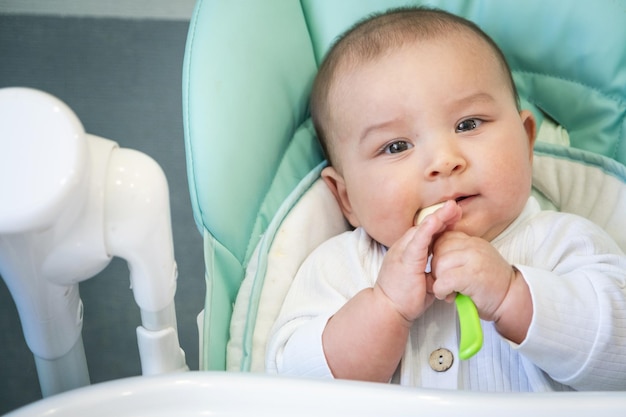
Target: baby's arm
{"x": 578, "y": 284}
{"x": 366, "y": 338}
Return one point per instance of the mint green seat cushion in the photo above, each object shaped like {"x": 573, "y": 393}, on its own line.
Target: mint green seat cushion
{"x": 247, "y": 75}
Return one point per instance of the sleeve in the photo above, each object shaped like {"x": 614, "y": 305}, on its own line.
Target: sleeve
{"x": 577, "y": 282}
{"x": 327, "y": 279}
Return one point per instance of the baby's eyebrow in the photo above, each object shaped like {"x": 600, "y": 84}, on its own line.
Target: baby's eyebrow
{"x": 471, "y": 98}
{"x": 474, "y": 98}
{"x": 376, "y": 126}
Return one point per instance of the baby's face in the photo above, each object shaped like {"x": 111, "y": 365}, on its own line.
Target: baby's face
{"x": 429, "y": 122}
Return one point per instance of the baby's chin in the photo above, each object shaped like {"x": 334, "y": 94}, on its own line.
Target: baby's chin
{"x": 470, "y": 228}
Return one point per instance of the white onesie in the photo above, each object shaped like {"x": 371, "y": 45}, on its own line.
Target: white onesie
{"x": 577, "y": 277}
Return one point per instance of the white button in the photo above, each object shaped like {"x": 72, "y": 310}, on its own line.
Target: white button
{"x": 441, "y": 360}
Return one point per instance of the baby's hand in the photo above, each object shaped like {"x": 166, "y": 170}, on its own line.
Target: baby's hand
{"x": 402, "y": 278}
{"x": 471, "y": 266}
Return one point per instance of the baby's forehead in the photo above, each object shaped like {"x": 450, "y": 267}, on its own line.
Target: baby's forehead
{"x": 355, "y": 62}
{"x": 461, "y": 39}
{"x": 342, "y": 89}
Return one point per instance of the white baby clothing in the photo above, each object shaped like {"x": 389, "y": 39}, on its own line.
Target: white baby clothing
{"x": 577, "y": 338}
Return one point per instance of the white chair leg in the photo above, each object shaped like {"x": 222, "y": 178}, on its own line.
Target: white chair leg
{"x": 72, "y": 201}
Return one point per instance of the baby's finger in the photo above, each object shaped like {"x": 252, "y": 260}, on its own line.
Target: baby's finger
{"x": 417, "y": 248}
{"x": 448, "y": 213}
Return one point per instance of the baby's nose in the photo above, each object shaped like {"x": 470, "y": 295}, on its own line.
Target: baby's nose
{"x": 446, "y": 162}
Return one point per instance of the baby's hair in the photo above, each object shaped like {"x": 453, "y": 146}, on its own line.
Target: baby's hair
{"x": 378, "y": 34}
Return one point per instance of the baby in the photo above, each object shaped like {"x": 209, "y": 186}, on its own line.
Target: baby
{"x": 416, "y": 107}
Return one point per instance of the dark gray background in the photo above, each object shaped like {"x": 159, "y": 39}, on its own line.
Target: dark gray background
{"x": 122, "y": 77}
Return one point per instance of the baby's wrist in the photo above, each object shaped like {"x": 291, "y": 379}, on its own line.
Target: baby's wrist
{"x": 387, "y": 305}
{"x": 513, "y": 316}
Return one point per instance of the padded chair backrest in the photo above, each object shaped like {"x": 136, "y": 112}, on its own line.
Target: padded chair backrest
{"x": 248, "y": 70}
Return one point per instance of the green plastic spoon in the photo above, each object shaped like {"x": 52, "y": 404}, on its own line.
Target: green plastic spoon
{"x": 469, "y": 322}
{"x": 471, "y": 332}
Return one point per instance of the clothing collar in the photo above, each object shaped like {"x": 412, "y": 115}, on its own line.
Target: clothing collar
{"x": 530, "y": 209}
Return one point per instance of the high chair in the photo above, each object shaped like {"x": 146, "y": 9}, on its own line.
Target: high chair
{"x": 252, "y": 152}
{"x": 253, "y": 158}
{"x": 253, "y": 166}
{"x": 70, "y": 202}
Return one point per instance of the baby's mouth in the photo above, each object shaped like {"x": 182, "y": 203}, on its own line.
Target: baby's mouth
{"x": 464, "y": 197}
{"x": 421, "y": 214}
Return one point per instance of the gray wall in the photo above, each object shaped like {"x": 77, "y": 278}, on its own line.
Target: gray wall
{"x": 133, "y": 9}
{"x": 122, "y": 77}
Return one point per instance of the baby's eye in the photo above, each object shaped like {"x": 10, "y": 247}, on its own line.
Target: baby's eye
{"x": 467, "y": 125}
{"x": 398, "y": 146}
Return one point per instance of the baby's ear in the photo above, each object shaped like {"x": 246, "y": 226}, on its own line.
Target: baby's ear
{"x": 335, "y": 182}
{"x": 530, "y": 125}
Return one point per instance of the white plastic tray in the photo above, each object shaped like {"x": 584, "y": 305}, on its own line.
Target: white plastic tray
{"x": 238, "y": 394}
